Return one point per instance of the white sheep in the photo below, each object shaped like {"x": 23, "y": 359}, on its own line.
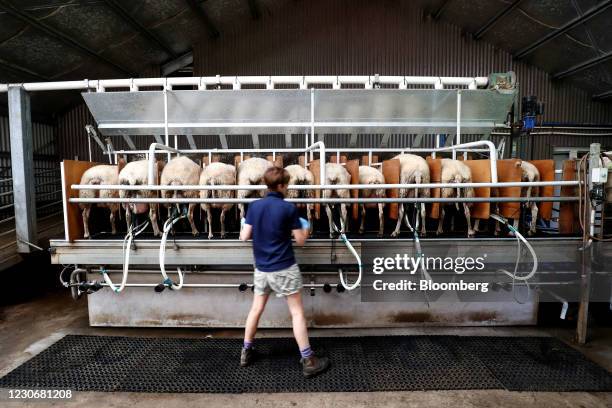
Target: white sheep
{"x": 413, "y": 170}
{"x": 181, "y": 171}
{"x": 370, "y": 175}
{"x": 133, "y": 174}
{"x": 298, "y": 175}
{"x": 336, "y": 174}
{"x": 251, "y": 172}
{"x": 454, "y": 171}
{"x": 217, "y": 173}
{"x": 99, "y": 175}
{"x": 529, "y": 172}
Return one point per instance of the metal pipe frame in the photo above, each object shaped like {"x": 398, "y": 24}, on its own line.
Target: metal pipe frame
{"x": 323, "y": 200}
{"x": 333, "y": 150}
{"x": 151, "y": 156}
{"x": 564, "y": 183}
{"x": 458, "y": 147}
{"x": 303, "y": 82}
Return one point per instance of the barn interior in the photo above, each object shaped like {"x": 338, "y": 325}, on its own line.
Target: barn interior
{"x": 314, "y": 84}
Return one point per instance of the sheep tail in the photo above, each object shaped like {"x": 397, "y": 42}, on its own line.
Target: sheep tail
{"x": 418, "y": 179}
{"x": 458, "y": 180}
{"x": 212, "y": 192}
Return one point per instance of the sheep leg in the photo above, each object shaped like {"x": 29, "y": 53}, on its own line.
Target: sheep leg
{"x": 363, "y": 215}
{"x": 381, "y": 220}
{"x": 86, "y": 211}
{"x": 309, "y": 209}
{"x": 477, "y": 225}
{"x": 128, "y": 217}
{"x": 344, "y": 214}
{"x": 330, "y": 219}
{"x": 208, "y": 211}
{"x": 468, "y": 218}
{"x": 241, "y": 210}
{"x": 400, "y": 215}
{"x": 440, "y": 221}
{"x": 222, "y": 220}
{"x": 497, "y": 228}
{"x": 423, "y": 220}
{"x": 153, "y": 217}
{"x": 190, "y": 212}
{"x": 113, "y": 219}
{"x": 534, "y": 218}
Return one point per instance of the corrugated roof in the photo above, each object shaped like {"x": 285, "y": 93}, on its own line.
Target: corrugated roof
{"x": 70, "y": 39}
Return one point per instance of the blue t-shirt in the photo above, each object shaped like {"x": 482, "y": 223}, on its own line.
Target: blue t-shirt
{"x": 273, "y": 219}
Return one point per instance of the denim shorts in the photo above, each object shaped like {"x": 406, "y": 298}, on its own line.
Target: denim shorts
{"x": 284, "y": 282}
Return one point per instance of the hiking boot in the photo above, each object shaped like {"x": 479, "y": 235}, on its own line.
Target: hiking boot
{"x": 247, "y": 356}
{"x": 314, "y": 365}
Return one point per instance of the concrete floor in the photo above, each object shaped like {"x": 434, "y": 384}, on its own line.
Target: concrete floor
{"x": 28, "y": 328}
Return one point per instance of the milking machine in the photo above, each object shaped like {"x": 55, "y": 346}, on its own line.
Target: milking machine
{"x": 168, "y": 227}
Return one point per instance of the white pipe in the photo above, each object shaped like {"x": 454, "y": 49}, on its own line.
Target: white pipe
{"x": 321, "y": 147}
{"x": 301, "y": 150}
{"x": 232, "y": 187}
{"x": 137, "y": 83}
{"x": 335, "y": 200}
{"x": 151, "y": 156}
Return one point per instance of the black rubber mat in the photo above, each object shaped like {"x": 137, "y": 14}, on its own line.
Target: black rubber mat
{"x": 104, "y": 363}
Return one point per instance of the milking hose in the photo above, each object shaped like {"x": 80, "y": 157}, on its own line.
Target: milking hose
{"x": 127, "y": 246}
{"x": 162, "y": 254}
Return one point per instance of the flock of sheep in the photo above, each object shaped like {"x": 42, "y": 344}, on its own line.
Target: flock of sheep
{"x": 181, "y": 171}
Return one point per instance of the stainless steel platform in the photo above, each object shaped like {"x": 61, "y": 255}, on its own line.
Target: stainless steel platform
{"x": 228, "y": 261}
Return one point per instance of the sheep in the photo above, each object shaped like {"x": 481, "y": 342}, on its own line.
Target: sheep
{"x": 217, "y": 173}
{"x": 133, "y": 174}
{"x": 454, "y": 171}
{"x": 336, "y": 174}
{"x": 413, "y": 170}
{"x": 178, "y": 172}
{"x": 99, "y": 175}
{"x": 370, "y": 175}
{"x": 298, "y": 175}
{"x": 529, "y": 172}
{"x": 251, "y": 172}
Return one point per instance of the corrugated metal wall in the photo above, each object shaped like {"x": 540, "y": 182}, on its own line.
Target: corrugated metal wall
{"x": 46, "y": 169}
{"x": 359, "y": 37}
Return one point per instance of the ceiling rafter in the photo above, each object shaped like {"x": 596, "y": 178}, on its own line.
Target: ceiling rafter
{"x": 148, "y": 34}
{"x": 65, "y": 39}
{"x": 202, "y": 15}
{"x": 582, "y": 66}
{"x": 19, "y": 71}
{"x": 492, "y": 21}
{"x": 590, "y": 13}
{"x": 603, "y": 95}
{"x": 436, "y": 14}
